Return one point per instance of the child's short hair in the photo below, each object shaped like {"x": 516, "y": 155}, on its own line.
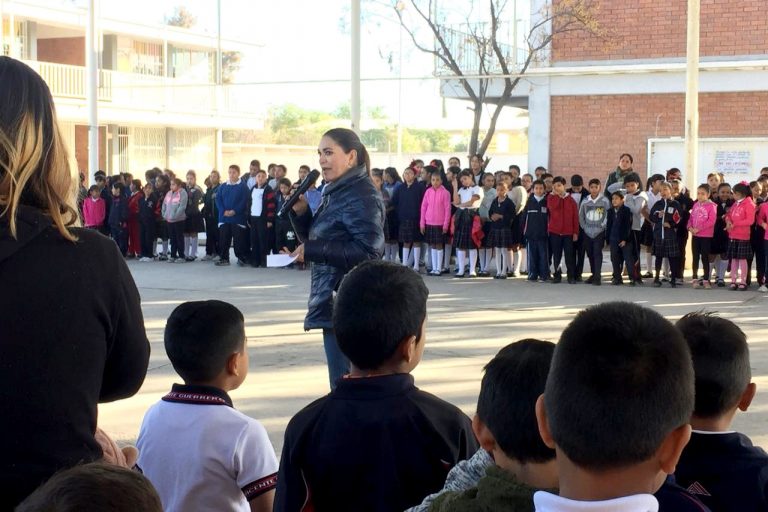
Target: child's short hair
{"x": 558, "y": 179}
{"x": 465, "y": 172}
{"x": 722, "y": 186}
{"x": 93, "y": 188}
{"x": 200, "y": 336}
{"x": 621, "y": 380}
{"x": 657, "y": 177}
{"x": 261, "y": 171}
{"x": 178, "y": 182}
{"x": 94, "y": 486}
{"x": 379, "y": 305}
{"x": 513, "y": 381}
{"x": 632, "y": 177}
{"x": 705, "y": 187}
{"x": 537, "y": 182}
{"x": 720, "y": 362}
{"x": 595, "y": 181}
{"x": 617, "y": 193}
{"x": 577, "y": 180}
{"x": 119, "y": 186}
{"x": 545, "y": 176}
{"x": 284, "y": 181}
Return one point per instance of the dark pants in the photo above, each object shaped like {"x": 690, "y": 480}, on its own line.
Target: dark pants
{"x": 148, "y": 238}
{"x": 759, "y": 259}
{"x": 594, "y": 247}
{"x": 765, "y": 260}
{"x": 211, "y": 236}
{"x": 284, "y": 235}
{"x": 674, "y": 267}
{"x": 259, "y": 241}
{"x": 701, "y": 249}
{"x": 538, "y": 259}
{"x": 580, "y": 246}
{"x": 338, "y": 364}
{"x": 635, "y": 234}
{"x": 228, "y": 233}
{"x": 563, "y": 244}
{"x": 120, "y": 235}
{"x": 176, "y": 238}
{"x": 621, "y": 256}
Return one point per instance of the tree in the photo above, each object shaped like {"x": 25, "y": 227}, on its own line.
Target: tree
{"x": 181, "y": 17}
{"x": 230, "y": 64}
{"x": 488, "y": 58}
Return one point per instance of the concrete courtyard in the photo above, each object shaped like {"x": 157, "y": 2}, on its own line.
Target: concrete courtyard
{"x": 468, "y": 321}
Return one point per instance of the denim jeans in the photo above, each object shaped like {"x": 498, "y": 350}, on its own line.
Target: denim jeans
{"x": 338, "y": 364}
{"x": 538, "y": 268}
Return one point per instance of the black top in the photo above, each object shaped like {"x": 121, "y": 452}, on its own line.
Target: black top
{"x": 71, "y": 336}
{"x": 373, "y": 444}
{"x": 506, "y": 209}
{"x": 619, "y": 226}
{"x": 686, "y": 205}
{"x": 670, "y": 210}
{"x": 407, "y": 201}
{"x": 536, "y": 217}
{"x": 725, "y": 471}
{"x": 673, "y": 498}
{"x": 347, "y": 229}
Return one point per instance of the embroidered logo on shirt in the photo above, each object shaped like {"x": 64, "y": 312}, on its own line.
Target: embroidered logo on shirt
{"x": 697, "y": 488}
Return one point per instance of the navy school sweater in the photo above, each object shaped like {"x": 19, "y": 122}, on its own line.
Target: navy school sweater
{"x": 536, "y": 218}
{"x": 619, "y": 226}
{"x": 407, "y": 201}
{"x": 233, "y": 197}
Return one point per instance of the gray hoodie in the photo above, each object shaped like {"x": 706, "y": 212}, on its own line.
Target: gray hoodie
{"x": 593, "y": 215}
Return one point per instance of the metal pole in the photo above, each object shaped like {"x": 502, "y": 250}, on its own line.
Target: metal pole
{"x": 400, "y": 102}
{"x": 220, "y": 91}
{"x": 692, "y": 98}
{"x": 92, "y": 88}
{"x": 355, "y": 100}
{"x": 219, "y": 71}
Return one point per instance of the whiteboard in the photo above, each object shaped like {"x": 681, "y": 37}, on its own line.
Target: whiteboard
{"x": 738, "y": 159}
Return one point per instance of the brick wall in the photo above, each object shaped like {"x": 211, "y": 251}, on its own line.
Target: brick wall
{"x": 81, "y": 147}
{"x": 647, "y": 29}
{"x": 62, "y": 50}
{"x": 588, "y": 133}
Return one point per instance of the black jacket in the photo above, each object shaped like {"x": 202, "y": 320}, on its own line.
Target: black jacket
{"x": 619, "y": 227}
{"x": 347, "y": 229}
{"x": 536, "y": 217}
{"x": 71, "y": 336}
{"x": 373, "y": 444}
{"x": 407, "y": 201}
{"x": 210, "y": 211}
{"x": 148, "y": 208}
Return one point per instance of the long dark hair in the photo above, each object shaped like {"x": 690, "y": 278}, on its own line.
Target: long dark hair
{"x": 348, "y": 140}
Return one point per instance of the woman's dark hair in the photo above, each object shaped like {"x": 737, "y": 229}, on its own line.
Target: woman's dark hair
{"x": 438, "y": 163}
{"x": 348, "y": 140}
{"x": 631, "y": 160}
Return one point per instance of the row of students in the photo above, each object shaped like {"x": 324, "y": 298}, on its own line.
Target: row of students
{"x": 581, "y": 425}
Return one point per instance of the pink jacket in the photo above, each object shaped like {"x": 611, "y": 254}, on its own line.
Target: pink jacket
{"x": 703, "y": 217}
{"x": 94, "y": 212}
{"x": 742, "y": 216}
{"x": 762, "y": 217}
{"x": 436, "y": 208}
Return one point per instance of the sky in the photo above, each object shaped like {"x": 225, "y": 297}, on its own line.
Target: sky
{"x": 308, "y": 40}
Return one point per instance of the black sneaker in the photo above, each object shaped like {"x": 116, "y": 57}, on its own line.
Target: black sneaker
{"x": 222, "y": 263}
{"x": 590, "y": 280}
{"x": 512, "y": 274}
{"x": 648, "y": 275}
{"x": 657, "y": 283}
{"x": 617, "y": 282}
{"x": 596, "y": 282}
{"x": 241, "y": 262}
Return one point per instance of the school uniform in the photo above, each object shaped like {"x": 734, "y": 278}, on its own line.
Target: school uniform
{"x": 580, "y": 245}
{"x": 262, "y": 211}
{"x": 500, "y": 232}
{"x": 535, "y": 233}
{"x": 174, "y": 212}
{"x": 211, "y": 218}
{"x": 636, "y": 203}
{"x": 665, "y": 243}
{"x": 742, "y": 216}
{"x": 593, "y": 219}
{"x": 194, "y": 223}
{"x": 133, "y": 234}
{"x": 489, "y": 196}
{"x": 435, "y": 215}
{"x": 116, "y": 220}
{"x": 407, "y": 202}
{"x": 519, "y": 197}
{"x": 725, "y": 471}
{"x": 702, "y": 218}
{"x": 147, "y": 219}
{"x": 757, "y": 235}
{"x": 94, "y": 213}
{"x": 465, "y": 218}
{"x": 200, "y": 453}
{"x": 686, "y": 204}
{"x": 618, "y": 230}
{"x": 233, "y": 196}
{"x": 563, "y": 224}
{"x": 284, "y": 235}
{"x": 373, "y": 444}
{"x": 762, "y": 217}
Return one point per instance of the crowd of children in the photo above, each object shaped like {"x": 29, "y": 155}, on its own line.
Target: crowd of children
{"x": 628, "y": 412}
{"x": 508, "y": 223}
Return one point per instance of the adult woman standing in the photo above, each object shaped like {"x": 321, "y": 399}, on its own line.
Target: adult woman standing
{"x": 71, "y": 328}
{"x": 616, "y": 178}
{"x": 346, "y": 230}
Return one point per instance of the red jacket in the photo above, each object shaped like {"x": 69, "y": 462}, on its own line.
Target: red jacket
{"x": 563, "y": 215}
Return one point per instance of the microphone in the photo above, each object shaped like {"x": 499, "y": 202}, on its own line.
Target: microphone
{"x": 308, "y": 182}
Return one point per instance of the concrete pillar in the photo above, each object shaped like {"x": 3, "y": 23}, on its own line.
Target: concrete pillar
{"x": 114, "y": 150}
{"x": 539, "y": 123}
{"x": 31, "y": 40}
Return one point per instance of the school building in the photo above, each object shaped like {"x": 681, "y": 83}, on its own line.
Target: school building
{"x": 589, "y": 101}
{"x": 158, "y": 97}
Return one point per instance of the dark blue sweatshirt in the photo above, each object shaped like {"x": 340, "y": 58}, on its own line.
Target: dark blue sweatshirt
{"x": 536, "y": 218}
{"x": 233, "y": 197}
{"x": 118, "y": 213}
{"x": 407, "y": 201}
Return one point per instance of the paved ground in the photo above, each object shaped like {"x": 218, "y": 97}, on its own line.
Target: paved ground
{"x": 469, "y": 320}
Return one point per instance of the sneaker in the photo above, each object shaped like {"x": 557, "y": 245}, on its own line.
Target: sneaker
{"x": 170, "y": 260}
{"x": 673, "y": 283}
{"x": 182, "y": 260}
{"x": 707, "y": 285}
{"x": 162, "y": 257}
{"x": 207, "y": 257}
{"x": 648, "y": 275}
{"x": 571, "y": 281}
{"x": 639, "y": 282}
{"x": 590, "y": 280}
{"x": 720, "y": 283}
{"x": 596, "y": 282}
{"x": 445, "y": 271}
{"x": 458, "y": 276}
{"x": 733, "y": 286}
{"x": 617, "y": 282}
{"x": 216, "y": 258}
{"x": 512, "y": 274}
{"x": 557, "y": 278}
{"x": 657, "y": 283}
{"x": 472, "y": 275}
{"x": 523, "y": 272}
{"x": 222, "y": 263}
{"x": 190, "y": 258}
{"x": 145, "y": 259}
{"x": 763, "y": 289}
{"x": 696, "y": 284}
{"x": 241, "y": 262}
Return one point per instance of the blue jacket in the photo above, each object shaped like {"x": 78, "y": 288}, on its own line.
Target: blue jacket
{"x": 407, "y": 201}
{"x": 118, "y": 213}
{"x": 232, "y": 197}
{"x": 619, "y": 226}
{"x": 535, "y": 219}
{"x": 347, "y": 229}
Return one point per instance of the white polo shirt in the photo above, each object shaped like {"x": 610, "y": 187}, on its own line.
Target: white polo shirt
{"x": 202, "y": 454}
{"x": 465, "y": 195}
{"x": 548, "y": 502}
{"x": 257, "y": 201}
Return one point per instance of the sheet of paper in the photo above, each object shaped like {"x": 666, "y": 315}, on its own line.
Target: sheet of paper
{"x": 280, "y": 260}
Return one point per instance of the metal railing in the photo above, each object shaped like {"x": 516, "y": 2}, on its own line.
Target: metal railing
{"x": 470, "y": 44}
{"x": 145, "y": 92}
